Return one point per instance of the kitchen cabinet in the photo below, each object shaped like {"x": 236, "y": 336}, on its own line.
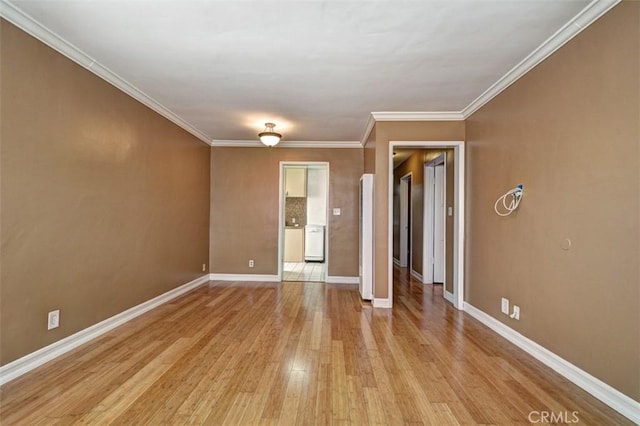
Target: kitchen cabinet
{"x": 295, "y": 181}
{"x": 294, "y": 245}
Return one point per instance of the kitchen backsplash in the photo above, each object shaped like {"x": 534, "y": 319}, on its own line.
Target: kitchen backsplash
{"x": 295, "y": 207}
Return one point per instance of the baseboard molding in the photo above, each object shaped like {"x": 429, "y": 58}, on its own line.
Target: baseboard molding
{"x": 448, "y": 296}
{"x": 35, "y": 359}
{"x": 596, "y": 387}
{"x": 382, "y": 303}
{"x": 416, "y": 275}
{"x": 244, "y": 277}
{"x": 342, "y": 280}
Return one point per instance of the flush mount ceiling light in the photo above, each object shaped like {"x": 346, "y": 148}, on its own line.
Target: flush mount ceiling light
{"x": 268, "y": 136}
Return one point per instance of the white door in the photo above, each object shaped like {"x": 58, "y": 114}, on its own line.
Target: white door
{"x": 439, "y": 226}
{"x": 404, "y": 221}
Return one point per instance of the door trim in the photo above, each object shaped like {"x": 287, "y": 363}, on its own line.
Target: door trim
{"x": 459, "y": 214}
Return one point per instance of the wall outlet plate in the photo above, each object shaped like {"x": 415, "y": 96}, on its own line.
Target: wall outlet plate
{"x": 505, "y": 306}
{"x": 53, "y": 320}
{"x": 336, "y": 211}
{"x": 251, "y": 263}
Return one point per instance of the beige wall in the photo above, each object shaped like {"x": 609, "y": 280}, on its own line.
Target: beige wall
{"x": 387, "y": 131}
{"x": 415, "y": 165}
{"x": 244, "y": 209}
{"x": 104, "y": 202}
{"x": 569, "y": 131}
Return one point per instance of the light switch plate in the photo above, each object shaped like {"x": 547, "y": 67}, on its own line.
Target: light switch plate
{"x": 336, "y": 211}
{"x": 504, "y": 306}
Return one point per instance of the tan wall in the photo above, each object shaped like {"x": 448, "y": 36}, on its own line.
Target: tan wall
{"x": 415, "y": 165}
{"x": 104, "y": 202}
{"x": 387, "y": 131}
{"x": 569, "y": 131}
{"x": 244, "y": 210}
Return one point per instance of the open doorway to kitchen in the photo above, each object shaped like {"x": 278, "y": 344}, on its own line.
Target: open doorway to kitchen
{"x": 303, "y": 243}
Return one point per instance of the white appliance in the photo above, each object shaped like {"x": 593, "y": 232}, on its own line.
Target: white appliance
{"x": 317, "y": 195}
{"x": 366, "y": 236}
{"x": 314, "y": 243}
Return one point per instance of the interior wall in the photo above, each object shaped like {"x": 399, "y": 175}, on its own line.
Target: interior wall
{"x": 569, "y": 131}
{"x": 387, "y": 131}
{"x": 370, "y": 152}
{"x": 244, "y": 209}
{"x": 104, "y": 203}
{"x": 415, "y": 164}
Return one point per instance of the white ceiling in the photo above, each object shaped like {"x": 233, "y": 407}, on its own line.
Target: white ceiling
{"x": 316, "y": 68}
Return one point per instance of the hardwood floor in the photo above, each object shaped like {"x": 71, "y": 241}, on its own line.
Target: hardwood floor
{"x": 303, "y": 271}
{"x": 293, "y": 353}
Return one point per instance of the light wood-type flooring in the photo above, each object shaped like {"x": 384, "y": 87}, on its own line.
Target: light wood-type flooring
{"x": 294, "y": 353}
{"x": 303, "y": 271}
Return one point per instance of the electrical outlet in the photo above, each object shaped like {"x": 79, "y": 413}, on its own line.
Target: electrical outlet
{"x": 337, "y": 211}
{"x": 53, "y": 320}
{"x": 251, "y": 263}
{"x": 516, "y": 312}
{"x": 505, "y": 306}
{"x": 204, "y": 267}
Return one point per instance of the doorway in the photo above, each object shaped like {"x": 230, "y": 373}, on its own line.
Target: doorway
{"x": 405, "y": 221}
{"x": 303, "y": 234}
{"x": 458, "y": 211}
{"x": 434, "y": 249}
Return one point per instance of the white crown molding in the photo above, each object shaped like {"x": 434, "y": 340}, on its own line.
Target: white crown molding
{"x": 35, "y": 359}
{"x": 371, "y": 121}
{"x": 320, "y": 144}
{"x": 285, "y": 144}
{"x": 417, "y": 116}
{"x": 25, "y": 22}
{"x": 244, "y": 277}
{"x": 586, "y": 17}
{"x": 237, "y": 143}
{"x": 342, "y": 280}
{"x": 596, "y": 387}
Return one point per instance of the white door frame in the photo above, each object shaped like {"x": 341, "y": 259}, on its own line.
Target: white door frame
{"x": 459, "y": 210}
{"x": 440, "y": 226}
{"x": 406, "y": 188}
{"x": 281, "y": 221}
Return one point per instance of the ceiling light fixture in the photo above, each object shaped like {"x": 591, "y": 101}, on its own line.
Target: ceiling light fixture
{"x": 268, "y": 136}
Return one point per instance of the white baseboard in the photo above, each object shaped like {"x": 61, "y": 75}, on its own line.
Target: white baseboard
{"x": 416, "y": 275}
{"x": 382, "y": 303}
{"x": 342, "y": 280}
{"x": 244, "y": 277}
{"x": 448, "y": 296}
{"x": 596, "y": 387}
{"x": 35, "y": 359}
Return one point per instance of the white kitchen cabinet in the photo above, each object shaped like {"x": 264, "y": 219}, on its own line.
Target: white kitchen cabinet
{"x": 295, "y": 181}
{"x": 294, "y": 245}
